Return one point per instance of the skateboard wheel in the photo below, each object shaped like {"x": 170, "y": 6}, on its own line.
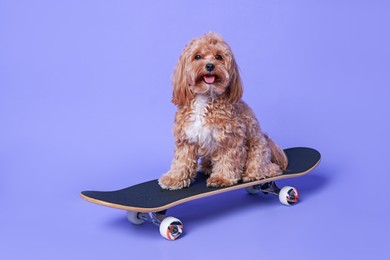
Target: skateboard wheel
{"x": 171, "y": 228}
{"x": 288, "y": 195}
{"x": 133, "y": 218}
{"x": 252, "y": 190}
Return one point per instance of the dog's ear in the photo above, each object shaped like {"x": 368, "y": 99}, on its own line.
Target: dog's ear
{"x": 182, "y": 95}
{"x": 235, "y": 89}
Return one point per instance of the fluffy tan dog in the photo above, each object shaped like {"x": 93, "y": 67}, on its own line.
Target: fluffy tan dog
{"x": 213, "y": 124}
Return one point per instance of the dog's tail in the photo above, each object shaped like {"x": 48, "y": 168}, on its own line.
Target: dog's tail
{"x": 278, "y": 155}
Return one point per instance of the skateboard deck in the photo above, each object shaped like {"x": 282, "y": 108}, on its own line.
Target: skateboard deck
{"x": 149, "y": 197}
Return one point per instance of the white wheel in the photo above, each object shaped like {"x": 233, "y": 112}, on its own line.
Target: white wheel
{"x": 288, "y": 195}
{"x": 133, "y": 218}
{"x": 171, "y": 228}
{"x": 251, "y": 190}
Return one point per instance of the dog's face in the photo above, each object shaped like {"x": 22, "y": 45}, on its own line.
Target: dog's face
{"x": 206, "y": 67}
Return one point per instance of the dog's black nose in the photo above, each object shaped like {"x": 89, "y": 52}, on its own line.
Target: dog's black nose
{"x": 210, "y": 67}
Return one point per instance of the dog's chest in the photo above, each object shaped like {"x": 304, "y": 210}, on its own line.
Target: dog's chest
{"x": 196, "y": 130}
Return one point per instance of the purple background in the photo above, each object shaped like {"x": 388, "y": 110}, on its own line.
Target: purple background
{"x": 85, "y": 104}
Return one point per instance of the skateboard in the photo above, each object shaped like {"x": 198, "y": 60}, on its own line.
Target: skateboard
{"x": 148, "y": 202}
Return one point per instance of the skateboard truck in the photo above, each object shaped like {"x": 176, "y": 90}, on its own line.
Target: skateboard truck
{"x": 170, "y": 228}
{"x": 287, "y": 195}
{"x": 152, "y": 217}
{"x": 269, "y": 187}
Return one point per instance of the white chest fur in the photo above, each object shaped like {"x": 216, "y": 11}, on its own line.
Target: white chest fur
{"x": 196, "y": 130}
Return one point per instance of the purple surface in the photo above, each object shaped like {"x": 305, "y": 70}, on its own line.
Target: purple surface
{"x": 85, "y": 104}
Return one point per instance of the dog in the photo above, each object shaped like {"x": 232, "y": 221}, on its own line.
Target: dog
{"x": 215, "y": 131}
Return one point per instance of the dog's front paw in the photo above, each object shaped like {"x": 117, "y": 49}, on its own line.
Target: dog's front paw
{"x": 252, "y": 178}
{"x": 218, "y": 181}
{"x": 169, "y": 182}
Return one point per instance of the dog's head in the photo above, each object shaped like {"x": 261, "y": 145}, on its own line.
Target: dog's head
{"x": 206, "y": 67}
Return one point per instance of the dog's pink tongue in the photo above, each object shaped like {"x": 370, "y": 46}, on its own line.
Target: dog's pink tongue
{"x": 209, "y": 79}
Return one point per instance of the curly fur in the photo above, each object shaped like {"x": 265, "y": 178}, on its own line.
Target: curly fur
{"x": 214, "y": 124}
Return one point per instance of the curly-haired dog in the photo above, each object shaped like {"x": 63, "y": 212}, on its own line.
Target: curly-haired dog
{"x": 213, "y": 123}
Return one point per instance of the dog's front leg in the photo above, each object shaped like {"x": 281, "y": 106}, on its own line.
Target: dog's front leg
{"x": 228, "y": 165}
{"x": 183, "y": 168}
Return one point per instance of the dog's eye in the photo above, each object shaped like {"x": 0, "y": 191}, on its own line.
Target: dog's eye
{"x": 219, "y": 57}
{"x": 198, "y": 57}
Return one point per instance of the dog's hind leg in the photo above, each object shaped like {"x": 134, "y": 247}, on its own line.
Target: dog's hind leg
{"x": 259, "y": 164}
